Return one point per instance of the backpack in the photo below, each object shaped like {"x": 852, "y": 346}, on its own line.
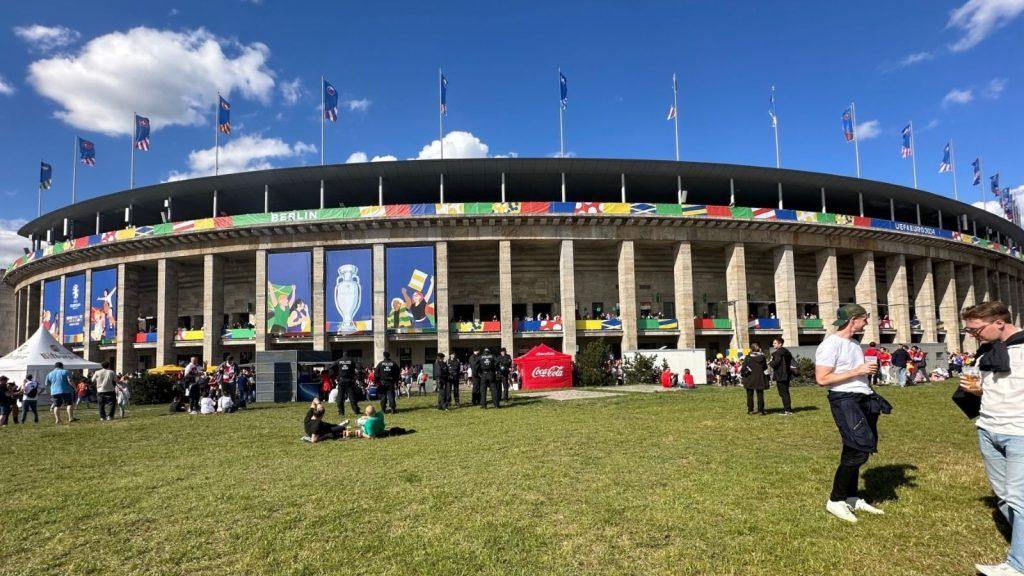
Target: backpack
{"x": 32, "y": 391}
{"x": 794, "y": 369}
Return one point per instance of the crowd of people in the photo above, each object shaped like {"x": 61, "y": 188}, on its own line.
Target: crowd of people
{"x": 105, "y": 388}
{"x": 223, "y": 391}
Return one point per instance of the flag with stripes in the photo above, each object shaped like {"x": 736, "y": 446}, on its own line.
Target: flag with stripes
{"x": 144, "y": 231}
{"x": 223, "y": 115}
{"x": 671, "y": 113}
{"x": 976, "y": 165}
{"x": 141, "y": 133}
{"x": 45, "y": 176}
{"x": 418, "y": 280}
{"x": 330, "y": 102}
{"x": 444, "y": 95}
{"x": 994, "y": 181}
{"x": 771, "y": 108}
{"x": 848, "y": 125}
{"x": 906, "y": 150}
{"x": 563, "y": 88}
{"x": 947, "y": 164}
{"x": 87, "y": 152}
{"x": 642, "y": 208}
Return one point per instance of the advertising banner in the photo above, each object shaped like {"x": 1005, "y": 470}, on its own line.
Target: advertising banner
{"x": 50, "y": 315}
{"x": 348, "y": 291}
{"x": 103, "y": 309}
{"x": 74, "y": 308}
{"x": 410, "y": 289}
{"x": 544, "y": 367}
{"x": 289, "y": 294}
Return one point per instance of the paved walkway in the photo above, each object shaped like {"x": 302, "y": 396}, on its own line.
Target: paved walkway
{"x": 562, "y": 395}
{"x": 646, "y": 388}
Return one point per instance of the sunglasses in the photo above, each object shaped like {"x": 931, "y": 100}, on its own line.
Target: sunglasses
{"x": 976, "y": 331}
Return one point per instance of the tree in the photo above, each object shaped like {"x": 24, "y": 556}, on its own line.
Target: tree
{"x": 592, "y": 364}
{"x": 641, "y": 369}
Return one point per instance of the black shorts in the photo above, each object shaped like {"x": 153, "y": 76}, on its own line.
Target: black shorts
{"x": 58, "y": 400}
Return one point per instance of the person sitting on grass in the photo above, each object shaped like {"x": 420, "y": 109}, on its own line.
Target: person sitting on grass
{"x": 372, "y": 425}
{"x": 316, "y": 429}
{"x": 207, "y": 404}
{"x": 225, "y": 405}
{"x": 688, "y": 379}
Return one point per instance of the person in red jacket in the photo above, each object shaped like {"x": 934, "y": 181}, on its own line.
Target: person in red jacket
{"x": 666, "y": 378}
{"x": 688, "y": 379}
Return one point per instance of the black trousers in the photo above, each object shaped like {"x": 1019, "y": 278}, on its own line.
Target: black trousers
{"x": 107, "y": 399}
{"x": 750, "y": 400}
{"x": 475, "y": 380}
{"x": 787, "y": 403}
{"x": 505, "y": 380}
{"x": 844, "y": 484}
{"x": 387, "y": 394}
{"x": 453, "y": 390}
{"x": 347, "y": 389}
{"x": 491, "y": 383}
{"x": 443, "y": 395}
{"x": 193, "y": 402}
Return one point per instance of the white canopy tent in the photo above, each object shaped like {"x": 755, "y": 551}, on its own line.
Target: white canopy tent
{"x": 38, "y": 355}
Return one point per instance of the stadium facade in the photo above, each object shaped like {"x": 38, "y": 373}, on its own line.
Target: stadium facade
{"x": 423, "y": 256}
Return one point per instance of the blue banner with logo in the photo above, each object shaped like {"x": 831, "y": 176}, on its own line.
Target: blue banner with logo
{"x": 74, "y": 308}
{"x": 348, "y": 291}
{"x": 50, "y": 316}
{"x": 410, "y": 289}
{"x": 103, "y": 308}
{"x": 289, "y": 295}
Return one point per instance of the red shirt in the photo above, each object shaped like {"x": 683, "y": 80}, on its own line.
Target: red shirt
{"x": 871, "y": 352}
{"x": 688, "y": 380}
{"x": 666, "y": 379}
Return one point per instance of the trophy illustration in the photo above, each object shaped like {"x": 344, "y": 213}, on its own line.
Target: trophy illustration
{"x": 348, "y": 293}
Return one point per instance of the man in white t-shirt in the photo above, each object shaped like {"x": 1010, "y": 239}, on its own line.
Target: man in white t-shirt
{"x": 839, "y": 365}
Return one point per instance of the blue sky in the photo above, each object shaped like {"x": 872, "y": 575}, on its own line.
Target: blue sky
{"x": 953, "y": 67}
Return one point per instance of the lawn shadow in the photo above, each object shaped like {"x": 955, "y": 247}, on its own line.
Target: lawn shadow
{"x": 881, "y": 482}
{"x": 466, "y": 405}
{"x": 794, "y": 410}
{"x": 997, "y": 517}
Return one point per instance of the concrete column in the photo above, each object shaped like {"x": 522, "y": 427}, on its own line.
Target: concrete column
{"x": 260, "y": 315}
{"x": 127, "y": 317}
{"x": 965, "y": 289}
{"x": 441, "y": 304}
{"x": 994, "y": 286}
{"x": 736, "y": 292}
{"x": 26, "y": 313}
{"x": 505, "y": 293}
{"x": 60, "y": 309}
{"x": 87, "y": 342}
{"x": 924, "y": 299}
{"x": 828, "y": 287}
{"x": 166, "y": 310}
{"x": 35, "y": 309}
{"x": 785, "y": 293}
{"x": 898, "y": 295}
{"x": 945, "y": 297}
{"x": 213, "y": 309}
{"x": 319, "y": 307}
{"x": 379, "y": 300}
{"x": 627, "y": 294}
{"x": 981, "y": 291}
{"x": 866, "y": 292}
{"x": 567, "y": 294}
{"x": 20, "y": 320}
{"x": 682, "y": 272}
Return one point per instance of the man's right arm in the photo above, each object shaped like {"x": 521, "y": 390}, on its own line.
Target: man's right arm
{"x": 826, "y": 376}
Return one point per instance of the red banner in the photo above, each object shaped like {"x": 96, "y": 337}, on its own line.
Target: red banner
{"x": 544, "y": 367}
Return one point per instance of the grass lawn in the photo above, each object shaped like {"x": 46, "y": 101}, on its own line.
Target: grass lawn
{"x": 668, "y": 483}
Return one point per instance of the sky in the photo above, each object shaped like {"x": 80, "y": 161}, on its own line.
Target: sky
{"x": 953, "y": 67}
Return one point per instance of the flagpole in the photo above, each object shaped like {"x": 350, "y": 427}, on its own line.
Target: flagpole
{"x": 675, "y": 106}
{"x": 216, "y": 138}
{"x": 775, "y": 125}
{"x": 913, "y": 154}
{"x": 952, "y": 161}
{"x": 561, "y": 129}
{"x": 131, "y": 180}
{"x": 981, "y": 181}
{"x": 856, "y": 140}
{"x": 440, "y": 113}
{"x": 74, "y": 169}
{"x": 323, "y": 116}
{"x": 39, "y": 196}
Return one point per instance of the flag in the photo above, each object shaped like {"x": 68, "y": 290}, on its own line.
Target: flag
{"x": 946, "y": 165}
{"x": 848, "y": 125}
{"x": 906, "y": 150}
{"x": 417, "y": 280}
{"x": 771, "y": 108}
{"x": 564, "y": 88}
{"x": 45, "y": 176}
{"x": 444, "y": 95}
{"x": 224, "y": 116}
{"x": 330, "y": 102}
{"x": 87, "y": 150}
{"x": 141, "y": 133}
{"x": 994, "y": 181}
{"x": 671, "y": 113}
{"x": 977, "y": 171}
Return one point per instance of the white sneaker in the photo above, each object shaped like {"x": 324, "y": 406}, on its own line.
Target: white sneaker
{"x": 859, "y": 505}
{"x": 840, "y": 510}
{"x": 1003, "y": 569}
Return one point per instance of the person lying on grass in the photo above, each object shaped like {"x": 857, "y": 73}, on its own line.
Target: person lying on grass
{"x": 316, "y": 429}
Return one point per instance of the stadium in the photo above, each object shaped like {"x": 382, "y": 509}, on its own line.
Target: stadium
{"x": 418, "y": 257}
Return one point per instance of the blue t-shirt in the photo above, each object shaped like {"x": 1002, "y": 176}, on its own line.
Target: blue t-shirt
{"x": 59, "y": 382}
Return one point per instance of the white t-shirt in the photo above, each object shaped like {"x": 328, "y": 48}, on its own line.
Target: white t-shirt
{"x": 224, "y": 403}
{"x": 1002, "y": 403}
{"x": 333, "y": 396}
{"x": 843, "y": 355}
{"x": 206, "y": 406}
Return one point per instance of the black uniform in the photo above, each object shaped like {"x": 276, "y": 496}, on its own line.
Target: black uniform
{"x": 488, "y": 365}
{"x": 346, "y": 375}
{"x": 504, "y": 373}
{"x": 454, "y": 372}
{"x": 441, "y": 378}
{"x": 386, "y": 374}
{"x": 474, "y": 376}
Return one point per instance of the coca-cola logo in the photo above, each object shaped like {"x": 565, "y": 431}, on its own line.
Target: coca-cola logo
{"x": 551, "y": 372}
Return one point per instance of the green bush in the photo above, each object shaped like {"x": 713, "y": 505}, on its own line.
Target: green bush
{"x": 592, "y": 365}
{"x": 806, "y": 376}
{"x": 151, "y": 389}
{"x": 641, "y": 369}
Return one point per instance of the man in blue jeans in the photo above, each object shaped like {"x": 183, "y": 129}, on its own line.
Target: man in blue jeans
{"x": 899, "y": 364}
{"x": 1001, "y": 419}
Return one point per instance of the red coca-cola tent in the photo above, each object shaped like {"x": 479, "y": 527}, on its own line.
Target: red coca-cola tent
{"x": 545, "y": 367}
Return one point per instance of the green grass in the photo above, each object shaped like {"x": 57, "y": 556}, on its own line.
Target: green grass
{"x": 676, "y": 483}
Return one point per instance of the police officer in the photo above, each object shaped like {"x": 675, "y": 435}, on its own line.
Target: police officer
{"x": 474, "y": 374}
{"x": 441, "y": 380}
{"x": 346, "y": 374}
{"x": 504, "y": 372}
{"x": 386, "y": 376}
{"x": 454, "y": 372}
{"x": 489, "y": 378}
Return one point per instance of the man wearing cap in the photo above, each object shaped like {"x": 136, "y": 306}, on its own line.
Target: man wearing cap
{"x": 840, "y": 367}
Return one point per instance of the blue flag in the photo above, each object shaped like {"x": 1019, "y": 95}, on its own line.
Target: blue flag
{"x": 977, "y": 171}
{"x": 330, "y": 102}
{"x": 946, "y": 165}
{"x": 848, "y": 125}
{"x": 444, "y": 95}
{"x": 994, "y": 180}
{"x": 223, "y": 115}
{"x": 141, "y": 133}
{"x": 87, "y": 151}
{"x": 45, "y": 176}
{"x": 564, "y": 87}
{"x": 906, "y": 150}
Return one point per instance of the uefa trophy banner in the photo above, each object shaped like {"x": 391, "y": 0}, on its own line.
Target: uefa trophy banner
{"x": 74, "y": 309}
{"x": 50, "y": 315}
{"x": 348, "y": 291}
{"x": 289, "y": 294}
{"x": 103, "y": 308}
{"x": 410, "y": 289}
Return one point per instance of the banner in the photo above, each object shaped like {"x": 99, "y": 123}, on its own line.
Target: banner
{"x": 74, "y": 308}
{"x": 410, "y": 289}
{"x": 348, "y": 291}
{"x": 289, "y": 294}
{"x": 103, "y": 309}
{"x": 543, "y": 367}
{"x": 49, "y": 316}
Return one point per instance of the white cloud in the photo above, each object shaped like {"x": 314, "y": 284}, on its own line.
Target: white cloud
{"x": 243, "y": 154}
{"x": 360, "y": 105}
{"x": 915, "y": 58}
{"x": 868, "y": 129}
{"x": 993, "y": 206}
{"x": 457, "y": 144}
{"x": 171, "y": 77}
{"x": 356, "y": 157}
{"x": 560, "y": 154}
{"x": 933, "y": 123}
{"x": 977, "y": 19}
{"x": 11, "y": 245}
{"x": 958, "y": 96}
{"x": 995, "y": 88}
{"x": 291, "y": 91}
{"x": 46, "y": 38}
{"x": 385, "y": 158}
{"x": 174, "y": 12}
{"x": 5, "y": 87}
